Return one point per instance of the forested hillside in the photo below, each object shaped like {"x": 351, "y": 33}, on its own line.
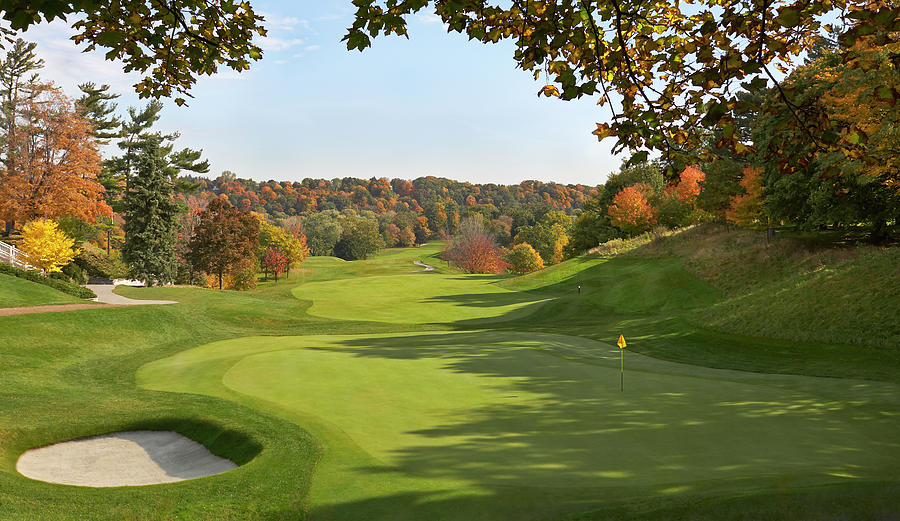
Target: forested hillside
{"x": 441, "y": 200}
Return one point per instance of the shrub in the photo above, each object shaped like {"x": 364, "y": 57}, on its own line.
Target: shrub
{"x": 524, "y": 259}
{"x": 59, "y": 285}
{"x": 96, "y": 263}
{"x": 74, "y": 273}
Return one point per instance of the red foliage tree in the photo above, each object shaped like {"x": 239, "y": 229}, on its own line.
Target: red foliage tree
{"x": 275, "y": 261}
{"x": 631, "y": 211}
{"x": 225, "y": 239}
{"x": 474, "y": 251}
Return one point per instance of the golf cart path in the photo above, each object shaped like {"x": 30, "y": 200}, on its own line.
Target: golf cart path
{"x": 105, "y": 295}
{"x": 105, "y": 298}
{"x": 426, "y": 266}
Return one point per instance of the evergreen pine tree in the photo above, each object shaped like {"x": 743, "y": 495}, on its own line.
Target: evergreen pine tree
{"x": 151, "y": 217}
{"x": 97, "y": 106}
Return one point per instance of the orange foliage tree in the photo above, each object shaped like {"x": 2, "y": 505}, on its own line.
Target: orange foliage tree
{"x": 688, "y": 187}
{"x": 678, "y": 204}
{"x": 747, "y": 208}
{"x": 631, "y": 211}
{"x": 52, "y": 165}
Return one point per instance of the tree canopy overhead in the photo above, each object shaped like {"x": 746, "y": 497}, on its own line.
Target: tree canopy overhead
{"x": 169, "y": 42}
{"x": 663, "y": 68}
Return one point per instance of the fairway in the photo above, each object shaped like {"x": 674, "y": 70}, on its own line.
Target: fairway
{"x": 523, "y": 416}
{"x": 414, "y": 298}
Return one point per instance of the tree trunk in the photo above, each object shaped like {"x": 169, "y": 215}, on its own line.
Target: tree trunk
{"x": 10, "y": 226}
{"x": 879, "y": 231}
{"x": 220, "y": 280}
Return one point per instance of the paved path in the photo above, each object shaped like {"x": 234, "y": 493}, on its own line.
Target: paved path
{"x": 426, "y": 266}
{"x": 105, "y": 295}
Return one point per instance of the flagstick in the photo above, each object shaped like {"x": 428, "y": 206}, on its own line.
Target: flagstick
{"x": 622, "y": 370}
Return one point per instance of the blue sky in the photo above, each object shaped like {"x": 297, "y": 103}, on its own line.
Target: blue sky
{"x": 435, "y": 104}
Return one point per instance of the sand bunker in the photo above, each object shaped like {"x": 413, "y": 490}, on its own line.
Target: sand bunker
{"x": 122, "y": 459}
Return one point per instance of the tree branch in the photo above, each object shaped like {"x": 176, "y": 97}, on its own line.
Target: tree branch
{"x": 793, "y": 109}
{"x": 179, "y": 18}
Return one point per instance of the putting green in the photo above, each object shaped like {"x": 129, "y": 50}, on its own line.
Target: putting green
{"x": 415, "y": 298}
{"x": 536, "y": 422}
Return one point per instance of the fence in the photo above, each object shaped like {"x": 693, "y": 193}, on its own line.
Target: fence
{"x": 13, "y": 256}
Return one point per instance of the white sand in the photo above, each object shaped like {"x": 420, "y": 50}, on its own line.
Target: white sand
{"x": 122, "y": 459}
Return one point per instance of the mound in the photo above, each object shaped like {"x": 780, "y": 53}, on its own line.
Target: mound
{"x": 122, "y": 459}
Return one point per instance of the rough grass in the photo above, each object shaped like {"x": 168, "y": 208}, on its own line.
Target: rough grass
{"x": 792, "y": 288}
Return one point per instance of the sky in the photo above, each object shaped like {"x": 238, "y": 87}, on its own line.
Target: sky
{"x": 435, "y": 104}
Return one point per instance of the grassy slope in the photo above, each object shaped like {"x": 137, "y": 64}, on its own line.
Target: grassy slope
{"x": 16, "y": 292}
{"x": 793, "y": 288}
{"x": 655, "y": 297}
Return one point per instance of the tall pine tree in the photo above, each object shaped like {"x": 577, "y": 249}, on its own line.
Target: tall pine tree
{"x": 149, "y": 169}
{"x": 151, "y": 218}
{"x": 97, "y": 105}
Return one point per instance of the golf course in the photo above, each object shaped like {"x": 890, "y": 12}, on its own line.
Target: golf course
{"x": 376, "y": 390}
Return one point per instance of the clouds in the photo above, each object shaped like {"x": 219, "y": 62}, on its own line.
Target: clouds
{"x": 276, "y": 44}
{"x": 429, "y": 18}
{"x": 286, "y": 33}
{"x": 283, "y": 23}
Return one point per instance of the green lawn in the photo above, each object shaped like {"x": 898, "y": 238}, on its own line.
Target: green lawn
{"x": 366, "y": 390}
{"x": 537, "y": 421}
{"x": 16, "y": 292}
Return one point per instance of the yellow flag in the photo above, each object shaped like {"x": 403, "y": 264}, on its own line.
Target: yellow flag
{"x": 621, "y": 343}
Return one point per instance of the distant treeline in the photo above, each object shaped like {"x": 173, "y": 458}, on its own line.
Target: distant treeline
{"x": 442, "y": 201}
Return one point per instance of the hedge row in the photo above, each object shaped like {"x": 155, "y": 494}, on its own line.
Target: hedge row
{"x": 59, "y": 285}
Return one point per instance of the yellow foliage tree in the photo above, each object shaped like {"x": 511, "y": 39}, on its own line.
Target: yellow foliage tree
{"x": 46, "y": 247}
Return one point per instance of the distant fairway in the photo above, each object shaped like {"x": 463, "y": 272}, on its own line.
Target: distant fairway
{"x": 530, "y": 416}
{"x": 414, "y": 299}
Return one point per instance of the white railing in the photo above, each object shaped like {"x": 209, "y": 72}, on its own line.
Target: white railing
{"x": 13, "y": 256}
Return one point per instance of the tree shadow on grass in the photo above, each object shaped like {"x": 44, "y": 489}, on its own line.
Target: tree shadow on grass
{"x": 558, "y": 424}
